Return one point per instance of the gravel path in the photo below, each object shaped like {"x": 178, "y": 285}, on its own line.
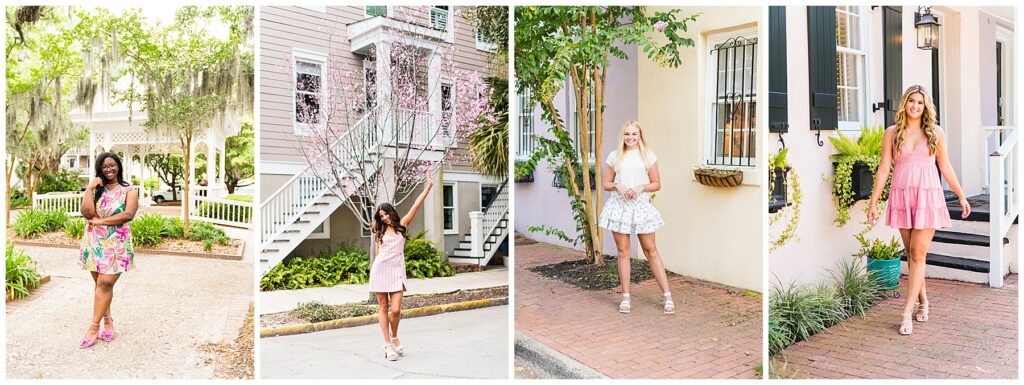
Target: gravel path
{"x": 163, "y": 311}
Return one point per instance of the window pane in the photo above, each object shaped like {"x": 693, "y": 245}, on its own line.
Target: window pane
{"x": 848, "y": 27}
{"x": 306, "y": 82}
{"x": 307, "y": 108}
{"x": 377, "y": 10}
{"x": 732, "y": 108}
{"x": 449, "y": 223}
{"x": 449, "y": 196}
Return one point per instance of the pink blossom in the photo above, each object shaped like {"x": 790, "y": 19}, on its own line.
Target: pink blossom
{"x": 660, "y": 26}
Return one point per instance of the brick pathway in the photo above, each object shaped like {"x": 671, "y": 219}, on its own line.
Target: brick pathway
{"x": 971, "y": 333}
{"x": 715, "y": 333}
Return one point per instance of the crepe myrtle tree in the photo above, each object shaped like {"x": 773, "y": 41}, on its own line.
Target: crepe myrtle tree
{"x": 552, "y": 43}
{"x": 371, "y": 129}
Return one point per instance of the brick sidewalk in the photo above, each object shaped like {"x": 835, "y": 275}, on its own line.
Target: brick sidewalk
{"x": 715, "y": 333}
{"x": 971, "y": 333}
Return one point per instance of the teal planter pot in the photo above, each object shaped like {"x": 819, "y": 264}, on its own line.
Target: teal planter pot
{"x": 887, "y": 271}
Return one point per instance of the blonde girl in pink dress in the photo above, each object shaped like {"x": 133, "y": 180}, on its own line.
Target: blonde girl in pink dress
{"x": 387, "y": 273}
{"x": 917, "y": 207}
{"x": 109, "y": 204}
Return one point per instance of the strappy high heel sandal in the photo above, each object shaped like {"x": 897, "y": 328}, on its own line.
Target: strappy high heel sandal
{"x": 106, "y": 335}
{"x": 922, "y": 312}
{"x": 389, "y": 353}
{"x": 85, "y": 341}
{"x": 624, "y": 306}
{"x": 397, "y": 346}
{"x": 907, "y": 326}
{"x": 670, "y": 307}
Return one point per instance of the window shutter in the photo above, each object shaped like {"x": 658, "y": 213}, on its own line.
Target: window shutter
{"x": 778, "y": 111}
{"x": 821, "y": 47}
{"x": 892, "y": 55}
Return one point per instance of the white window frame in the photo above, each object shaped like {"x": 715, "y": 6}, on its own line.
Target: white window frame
{"x": 526, "y": 139}
{"x": 388, "y": 10}
{"x": 454, "y": 207}
{"x": 863, "y": 61}
{"x": 710, "y": 78}
{"x": 448, "y": 33}
{"x": 482, "y": 44}
{"x": 325, "y": 233}
{"x": 298, "y": 128}
{"x": 451, "y": 102}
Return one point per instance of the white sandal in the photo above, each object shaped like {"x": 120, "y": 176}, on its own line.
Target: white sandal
{"x": 624, "y": 305}
{"x": 907, "y": 326}
{"x": 398, "y": 347}
{"x": 670, "y": 307}
{"x": 922, "y": 312}
{"x": 389, "y": 353}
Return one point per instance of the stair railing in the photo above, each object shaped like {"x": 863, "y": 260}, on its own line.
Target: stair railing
{"x": 1003, "y": 201}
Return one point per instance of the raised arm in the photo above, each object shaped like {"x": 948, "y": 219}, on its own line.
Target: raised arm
{"x": 419, "y": 200}
{"x": 882, "y": 173}
{"x": 131, "y": 206}
{"x": 88, "y": 208}
{"x": 946, "y": 169}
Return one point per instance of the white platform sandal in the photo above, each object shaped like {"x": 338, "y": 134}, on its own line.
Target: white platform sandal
{"x": 624, "y": 306}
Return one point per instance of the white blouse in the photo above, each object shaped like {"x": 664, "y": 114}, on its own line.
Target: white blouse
{"x": 631, "y": 172}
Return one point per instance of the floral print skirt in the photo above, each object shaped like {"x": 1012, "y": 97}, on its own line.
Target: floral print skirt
{"x": 107, "y": 249}
{"x": 630, "y": 216}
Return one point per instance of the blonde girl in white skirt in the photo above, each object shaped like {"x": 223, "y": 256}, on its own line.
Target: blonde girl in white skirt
{"x": 631, "y": 173}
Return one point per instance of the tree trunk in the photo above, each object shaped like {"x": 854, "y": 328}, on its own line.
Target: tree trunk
{"x": 587, "y": 234}
{"x": 599, "y": 136}
{"x": 10, "y": 171}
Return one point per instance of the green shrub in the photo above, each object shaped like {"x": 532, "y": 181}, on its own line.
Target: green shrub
{"x": 346, "y": 266}
{"x": 423, "y": 260}
{"x": 202, "y": 231}
{"x": 856, "y": 287}
{"x": 148, "y": 229}
{"x": 315, "y": 312}
{"x": 173, "y": 228}
{"x": 20, "y": 202}
{"x": 877, "y": 249}
{"x": 32, "y": 222}
{"x": 74, "y": 227}
{"x": 21, "y": 273}
{"x": 59, "y": 181}
{"x": 801, "y": 311}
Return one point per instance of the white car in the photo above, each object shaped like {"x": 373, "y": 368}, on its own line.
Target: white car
{"x": 165, "y": 195}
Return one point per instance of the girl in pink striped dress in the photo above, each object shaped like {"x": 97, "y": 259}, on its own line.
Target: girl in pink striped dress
{"x": 387, "y": 273}
{"x": 917, "y": 205}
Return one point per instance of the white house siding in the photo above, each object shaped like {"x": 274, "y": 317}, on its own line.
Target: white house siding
{"x": 711, "y": 233}
{"x": 967, "y": 103}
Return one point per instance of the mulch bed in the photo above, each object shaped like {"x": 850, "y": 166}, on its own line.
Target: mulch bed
{"x": 179, "y": 245}
{"x": 233, "y": 360}
{"x": 583, "y": 274}
{"x": 352, "y": 310}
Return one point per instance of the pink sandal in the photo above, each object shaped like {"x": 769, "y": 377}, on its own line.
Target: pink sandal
{"x": 108, "y": 335}
{"x": 85, "y": 341}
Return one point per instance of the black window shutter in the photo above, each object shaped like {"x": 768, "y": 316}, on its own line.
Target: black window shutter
{"x": 778, "y": 110}
{"x": 892, "y": 56}
{"x": 821, "y": 47}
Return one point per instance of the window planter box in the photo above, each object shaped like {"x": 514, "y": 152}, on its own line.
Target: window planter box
{"x": 560, "y": 176}
{"x": 862, "y": 180}
{"x": 777, "y": 200}
{"x": 715, "y": 177}
{"x": 528, "y": 178}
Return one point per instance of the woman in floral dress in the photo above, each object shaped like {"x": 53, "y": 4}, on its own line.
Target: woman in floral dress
{"x": 109, "y": 205}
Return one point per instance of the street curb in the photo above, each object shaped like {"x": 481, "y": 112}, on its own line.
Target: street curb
{"x": 147, "y": 251}
{"x": 551, "y": 361}
{"x": 371, "y": 319}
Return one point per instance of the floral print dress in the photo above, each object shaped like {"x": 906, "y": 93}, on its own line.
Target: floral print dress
{"x": 108, "y": 249}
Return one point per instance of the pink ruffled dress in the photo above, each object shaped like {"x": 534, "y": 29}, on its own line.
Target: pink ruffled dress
{"x": 916, "y": 200}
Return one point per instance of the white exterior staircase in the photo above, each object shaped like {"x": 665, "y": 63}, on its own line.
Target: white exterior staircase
{"x": 488, "y": 230}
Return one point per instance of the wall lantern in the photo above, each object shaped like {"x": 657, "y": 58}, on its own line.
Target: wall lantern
{"x": 927, "y": 26}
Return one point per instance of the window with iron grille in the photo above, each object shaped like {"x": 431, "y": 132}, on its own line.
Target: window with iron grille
{"x": 527, "y": 144}
{"x": 732, "y": 91}
{"x": 591, "y": 131}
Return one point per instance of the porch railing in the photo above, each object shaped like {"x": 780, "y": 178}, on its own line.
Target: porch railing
{"x": 483, "y": 224}
{"x": 68, "y": 202}
{"x": 1003, "y": 201}
{"x": 205, "y": 207}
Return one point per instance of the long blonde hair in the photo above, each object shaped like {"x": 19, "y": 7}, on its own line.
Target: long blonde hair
{"x": 641, "y": 145}
{"x": 927, "y": 119}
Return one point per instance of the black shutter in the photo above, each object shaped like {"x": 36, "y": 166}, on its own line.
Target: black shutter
{"x": 892, "y": 56}
{"x": 778, "y": 110}
{"x": 821, "y": 47}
